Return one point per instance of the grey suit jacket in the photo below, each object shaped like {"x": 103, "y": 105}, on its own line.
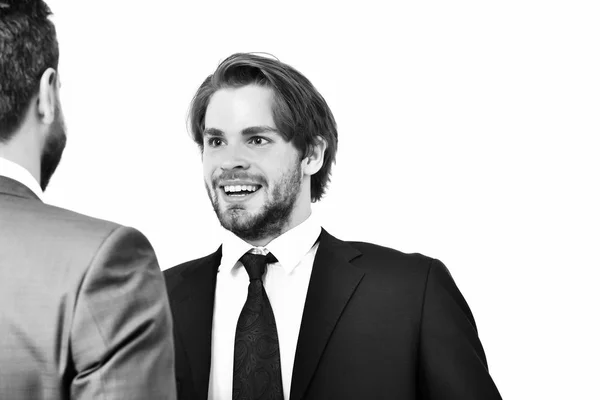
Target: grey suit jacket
{"x": 83, "y": 307}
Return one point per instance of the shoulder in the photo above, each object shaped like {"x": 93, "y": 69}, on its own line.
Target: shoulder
{"x": 190, "y": 267}
{"x": 382, "y": 257}
{"x": 103, "y": 235}
{"x": 62, "y": 247}
{"x": 387, "y": 266}
{"x": 387, "y": 261}
{"x": 389, "y": 274}
{"x": 97, "y": 232}
{"x": 38, "y": 215}
{"x": 63, "y": 231}
{"x": 383, "y": 252}
{"x": 379, "y": 262}
{"x": 171, "y": 272}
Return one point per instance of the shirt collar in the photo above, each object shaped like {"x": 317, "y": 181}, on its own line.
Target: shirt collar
{"x": 289, "y": 248}
{"x": 14, "y": 171}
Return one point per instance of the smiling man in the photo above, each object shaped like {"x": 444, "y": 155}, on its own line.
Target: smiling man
{"x": 284, "y": 310}
{"x": 258, "y": 194}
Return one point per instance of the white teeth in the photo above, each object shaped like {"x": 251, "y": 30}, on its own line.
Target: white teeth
{"x": 240, "y": 188}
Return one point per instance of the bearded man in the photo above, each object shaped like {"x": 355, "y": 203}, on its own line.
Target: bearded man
{"x": 284, "y": 310}
{"x": 83, "y": 307}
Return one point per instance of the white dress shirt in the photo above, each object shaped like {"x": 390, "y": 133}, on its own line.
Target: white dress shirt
{"x": 286, "y": 284}
{"x": 14, "y": 171}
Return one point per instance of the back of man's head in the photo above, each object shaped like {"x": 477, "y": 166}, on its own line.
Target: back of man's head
{"x": 28, "y": 47}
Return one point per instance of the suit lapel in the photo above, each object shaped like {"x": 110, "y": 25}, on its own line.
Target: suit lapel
{"x": 332, "y": 284}
{"x": 193, "y": 301}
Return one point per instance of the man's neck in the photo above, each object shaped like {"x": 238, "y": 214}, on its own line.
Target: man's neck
{"x": 30, "y": 167}
{"x": 15, "y": 171}
{"x": 263, "y": 242}
{"x": 22, "y": 149}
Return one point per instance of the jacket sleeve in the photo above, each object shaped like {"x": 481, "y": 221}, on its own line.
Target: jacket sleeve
{"x": 452, "y": 362}
{"x": 121, "y": 337}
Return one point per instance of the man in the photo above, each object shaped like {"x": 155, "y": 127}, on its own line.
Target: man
{"x": 328, "y": 319}
{"x": 83, "y": 307}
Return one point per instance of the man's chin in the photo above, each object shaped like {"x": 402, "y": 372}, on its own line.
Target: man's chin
{"x": 234, "y": 218}
{"x": 243, "y": 224}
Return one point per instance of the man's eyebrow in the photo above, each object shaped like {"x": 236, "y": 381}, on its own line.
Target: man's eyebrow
{"x": 254, "y": 130}
{"x": 214, "y": 132}
{"x": 251, "y": 130}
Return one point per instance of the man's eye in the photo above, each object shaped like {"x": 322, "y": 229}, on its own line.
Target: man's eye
{"x": 258, "y": 141}
{"x": 214, "y": 142}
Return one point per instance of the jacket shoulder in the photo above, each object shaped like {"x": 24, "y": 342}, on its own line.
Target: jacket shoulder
{"x": 62, "y": 233}
{"x": 387, "y": 253}
{"x": 46, "y": 217}
{"x": 80, "y": 221}
{"x": 391, "y": 262}
{"x": 171, "y": 274}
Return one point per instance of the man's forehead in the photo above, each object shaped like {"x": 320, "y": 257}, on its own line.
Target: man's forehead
{"x": 252, "y": 92}
{"x": 240, "y": 108}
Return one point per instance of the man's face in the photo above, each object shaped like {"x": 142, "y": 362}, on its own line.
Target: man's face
{"x": 56, "y": 141}
{"x": 253, "y": 176}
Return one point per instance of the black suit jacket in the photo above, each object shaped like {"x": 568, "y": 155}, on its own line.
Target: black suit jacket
{"x": 377, "y": 324}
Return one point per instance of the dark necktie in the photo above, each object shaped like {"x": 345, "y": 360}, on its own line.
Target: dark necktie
{"x": 256, "y": 361}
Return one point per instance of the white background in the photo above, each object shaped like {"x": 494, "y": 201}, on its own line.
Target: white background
{"x": 468, "y": 132}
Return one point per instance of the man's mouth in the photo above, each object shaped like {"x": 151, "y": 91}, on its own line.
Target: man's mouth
{"x": 240, "y": 190}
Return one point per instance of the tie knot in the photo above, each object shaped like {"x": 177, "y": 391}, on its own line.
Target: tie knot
{"x": 255, "y": 264}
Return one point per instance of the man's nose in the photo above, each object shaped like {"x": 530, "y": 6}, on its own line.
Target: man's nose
{"x": 235, "y": 157}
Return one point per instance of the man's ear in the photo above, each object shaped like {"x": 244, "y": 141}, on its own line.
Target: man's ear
{"x": 313, "y": 162}
{"x": 48, "y": 96}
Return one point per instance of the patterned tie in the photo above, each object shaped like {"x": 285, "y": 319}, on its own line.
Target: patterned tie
{"x": 256, "y": 362}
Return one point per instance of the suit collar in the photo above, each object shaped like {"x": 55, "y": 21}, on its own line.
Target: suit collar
{"x": 192, "y": 296}
{"x": 332, "y": 284}
{"x": 15, "y": 188}
{"x": 289, "y": 248}
{"x": 19, "y": 173}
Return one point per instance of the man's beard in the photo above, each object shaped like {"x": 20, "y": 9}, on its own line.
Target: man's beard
{"x": 53, "y": 149}
{"x": 273, "y": 216}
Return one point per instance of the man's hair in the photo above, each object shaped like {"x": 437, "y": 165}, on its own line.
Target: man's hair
{"x": 300, "y": 113}
{"x": 28, "y": 47}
